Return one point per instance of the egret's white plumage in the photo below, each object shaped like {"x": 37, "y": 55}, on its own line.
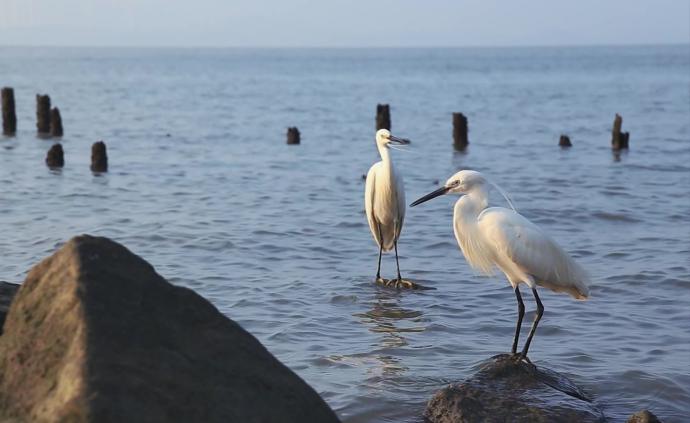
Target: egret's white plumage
{"x": 499, "y": 238}
{"x": 384, "y": 197}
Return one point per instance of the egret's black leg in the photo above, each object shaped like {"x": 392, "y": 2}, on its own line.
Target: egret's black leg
{"x": 537, "y": 318}
{"x": 397, "y": 263}
{"x": 521, "y": 313}
{"x": 378, "y": 269}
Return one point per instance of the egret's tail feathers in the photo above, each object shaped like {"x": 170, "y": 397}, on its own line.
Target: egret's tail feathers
{"x": 576, "y": 289}
{"x": 568, "y": 277}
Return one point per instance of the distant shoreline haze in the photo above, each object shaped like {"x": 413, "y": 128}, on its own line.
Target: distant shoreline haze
{"x": 343, "y": 23}
{"x": 268, "y": 47}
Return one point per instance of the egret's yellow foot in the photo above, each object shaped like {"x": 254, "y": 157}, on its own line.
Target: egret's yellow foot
{"x": 402, "y": 283}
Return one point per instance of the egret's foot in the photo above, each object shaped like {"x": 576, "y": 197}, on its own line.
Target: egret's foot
{"x": 382, "y": 281}
{"x": 521, "y": 357}
{"x": 402, "y": 283}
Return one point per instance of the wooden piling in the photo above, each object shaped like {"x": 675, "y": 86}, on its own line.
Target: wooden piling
{"x": 383, "y": 117}
{"x": 55, "y": 122}
{"x": 43, "y": 114}
{"x": 293, "y": 135}
{"x": 619, "y": 140}
{"x": 99, "y": 157}
{"x": 9, "y": 115}
{"x": 564, "y": 141}
{"x": 55, "y": 157}
{"x": 460, "y": 141}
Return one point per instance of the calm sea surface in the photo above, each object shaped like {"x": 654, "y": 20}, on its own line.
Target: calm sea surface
{"x": 203, "y": 186}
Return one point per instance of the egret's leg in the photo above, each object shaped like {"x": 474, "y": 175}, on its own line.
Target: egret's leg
{"x": 397, "y": 263}
{"x": 400, "y": 283}
{"x": 378, "y": 269}
{"x": 521, "y": 313}
{"x": 537, "y": 318}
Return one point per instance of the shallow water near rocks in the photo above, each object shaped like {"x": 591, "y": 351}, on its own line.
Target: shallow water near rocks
{"x": 202, "y": 185}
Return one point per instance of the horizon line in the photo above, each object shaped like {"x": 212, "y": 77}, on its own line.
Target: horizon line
{"x": 344, "y": 47}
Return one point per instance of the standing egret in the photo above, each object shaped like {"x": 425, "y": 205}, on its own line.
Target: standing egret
{"x": 492, "y": 237}
{"x": 384, "y": 200}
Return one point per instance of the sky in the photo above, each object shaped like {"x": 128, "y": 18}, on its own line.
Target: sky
{"x": 343, "y": 23}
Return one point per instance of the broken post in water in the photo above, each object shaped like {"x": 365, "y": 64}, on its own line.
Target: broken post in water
{"x": 55, "y": 157}
{"x": 99, "y": 157}
{"x": 383, "y": 117}
{"x": 9, "y": 115}
{"x": 564, "y": 141}
{"x": 55, "y": 122}
{"x": 619, "y": 140}
{"x": 460, "y": 141}
{"x": 43, "y": 114}
{"x": 293, "y": 136}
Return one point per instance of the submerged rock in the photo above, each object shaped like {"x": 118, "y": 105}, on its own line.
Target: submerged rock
{"x": 644, "y": 416}
{"x": 96, "y": 335}
{"x": 7, "y": 292}
{"x": 506, "y": 390}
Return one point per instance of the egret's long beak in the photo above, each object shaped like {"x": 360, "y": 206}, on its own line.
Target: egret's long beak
{"x": 399, "y": 141}
{"x": 431, "y": 195}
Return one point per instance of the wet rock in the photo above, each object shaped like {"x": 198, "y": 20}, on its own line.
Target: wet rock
{"x": 55, "y": 158}
{"x": 7, "y": 292}
{"x": 293, "y": 135}
{"x": 564, "y": 141}
{"x": 96, "y": 335}
{"x": 505, "y": 390}
{"x": 644, "y": 416}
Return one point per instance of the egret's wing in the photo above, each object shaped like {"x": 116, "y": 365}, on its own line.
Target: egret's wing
{"x": 532, "y": 251}
{"x": 369, "y": 193}
{"x": 400, "y": 194}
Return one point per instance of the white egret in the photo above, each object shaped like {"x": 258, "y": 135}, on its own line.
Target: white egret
{"x": 496, "y": 237}
{"x": 384, "y": 200}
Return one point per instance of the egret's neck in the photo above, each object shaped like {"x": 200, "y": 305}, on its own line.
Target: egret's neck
{"x": 467, "y": 232}
{"x": 472, "y": 204}
{"x": 385, "y": 153}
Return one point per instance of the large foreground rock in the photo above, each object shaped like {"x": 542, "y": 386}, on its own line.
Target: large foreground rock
{"x": 96, "y": 335}
{"x": 7, "y": 292}
{"x": 504, "y": 390}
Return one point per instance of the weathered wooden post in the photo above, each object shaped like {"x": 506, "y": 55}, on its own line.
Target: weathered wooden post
{"x": 9, "y": 115}
{"x": 564, "y": 141}
{"x": 55, "y": 157}
{"x": 293, "y": 136}
{"x": 55, "y": 122}
{"x": 460, "y": 141}
{"x": 43, "y": 114}
{"x": 99, "y": 157}
{"x": 383, "y": 117}
{"x": 619, "y": 140}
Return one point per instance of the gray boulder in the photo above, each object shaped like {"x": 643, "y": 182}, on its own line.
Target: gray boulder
{"x": 96, "y": 335}
{"x": 506, "y": 390}
{"x": 644, "y": 416}
{"x": 7, "y": 292}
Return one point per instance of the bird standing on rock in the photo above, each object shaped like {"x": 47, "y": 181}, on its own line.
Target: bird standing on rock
{"x": 491, "y": 237}
{"x": 384, "y": 200}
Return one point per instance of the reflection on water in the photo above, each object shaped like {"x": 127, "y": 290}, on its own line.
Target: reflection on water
{"x": 392, "y": 321}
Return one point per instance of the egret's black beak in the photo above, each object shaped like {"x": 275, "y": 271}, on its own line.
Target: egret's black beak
{"x": 399, "y": 141}
{"x": 431, "y": 195}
